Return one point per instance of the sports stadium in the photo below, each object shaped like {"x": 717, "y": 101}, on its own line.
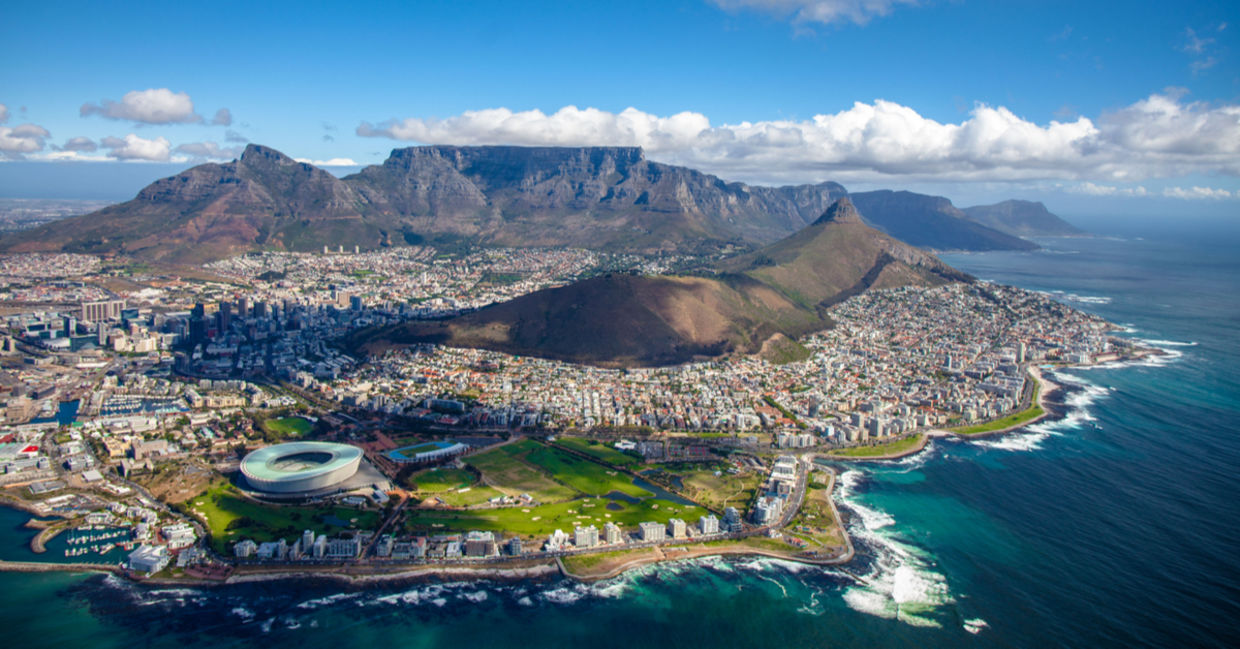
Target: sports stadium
{"x": 301, "y": 468}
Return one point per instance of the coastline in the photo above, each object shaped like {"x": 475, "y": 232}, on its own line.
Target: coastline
{"x": 538, "y": 568}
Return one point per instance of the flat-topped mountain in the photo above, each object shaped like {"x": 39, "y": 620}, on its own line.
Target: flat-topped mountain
{"x": 1022, "y": 219}
{"x": 598, "y": 197}
{"x": 782, "y": 290}
{"x": 603, "y": 198}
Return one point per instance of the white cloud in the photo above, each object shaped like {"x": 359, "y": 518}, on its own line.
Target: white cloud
{"x": 223, "y": 117}
{"x": 1160, "y": 136}
{"x": 818, "y": 11}
{"x": 152, "y": 106}
{"x": 132, "y": 147}
{"x": 209, "y": 150}
{"x": 79, "y": 143}
{"x": 1197, "y": 193}
{"x": 332, "y": 162}
{"x": 1092, "y": 189}
{"x": 19, "y": 140}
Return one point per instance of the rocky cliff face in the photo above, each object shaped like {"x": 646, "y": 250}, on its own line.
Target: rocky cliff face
{"x": 610, "y": 197}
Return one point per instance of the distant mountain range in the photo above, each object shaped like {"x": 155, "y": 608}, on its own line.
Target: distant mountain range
{"x": 604, "y": 198}
{"x": 758, "y": 302}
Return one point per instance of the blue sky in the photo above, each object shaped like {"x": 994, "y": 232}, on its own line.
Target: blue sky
{"x": 1093, "y": 104}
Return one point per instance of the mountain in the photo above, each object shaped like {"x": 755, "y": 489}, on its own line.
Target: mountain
{"x": 604, "y": 198}
{"x": 262, "y": 199}
{"x": 608, "y": 198}
{"x": 1021, "y": 219}
{"x": 781, "y": 291}
{"x": 931, "y": 222}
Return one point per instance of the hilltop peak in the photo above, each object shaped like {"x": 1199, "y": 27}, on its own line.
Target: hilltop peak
{"x": 257, "y": 153}
{"x": 841, "y": 211}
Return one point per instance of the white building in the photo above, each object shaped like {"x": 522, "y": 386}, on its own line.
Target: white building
{"x": 585, "y": 537}
{"x": 612, "y": 534}
{"x": 149, "y": 559}
{"x": 708, "y": 525}
{"x": 676, "y": 528}
{"x": 653, "y": 532}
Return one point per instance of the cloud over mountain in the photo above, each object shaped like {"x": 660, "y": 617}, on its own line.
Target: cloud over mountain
{"x": 1159, "y": 136}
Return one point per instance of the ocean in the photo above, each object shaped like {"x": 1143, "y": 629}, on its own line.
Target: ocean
{"x": 1114, "y": 524}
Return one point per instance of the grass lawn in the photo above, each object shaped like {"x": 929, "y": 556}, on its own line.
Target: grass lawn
{"x": 815, "y": 523}
{"x": 541, "y": 520}
{"x": 468, "y": 496}
{"x": 505, "y": 469}
{"x": 433, "y": 481}
{"x": 599, "y": 450}
{"x": 1009, "y": 421}
{"x": 224, "y": 506}
{"x": 718, "y": 492}
{"x": 889, "y": 448}
{"x": 583, "y": 475}
{"x": 289, "y": 426}
{"x": 577, "y": 563}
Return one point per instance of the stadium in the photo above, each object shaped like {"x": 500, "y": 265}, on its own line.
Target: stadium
{"x": 301, "y": 468}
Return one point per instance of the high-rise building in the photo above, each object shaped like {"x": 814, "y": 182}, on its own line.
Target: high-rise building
{"x": 585, "y": 537}
{"x": 225, "y": 316}
{"x": 708, "y": 524}
{"x": 612, "y": 534}
{"x": 676, "y": 528}
{"x": 103, "y": 310}
{"x": 653, "y": 532}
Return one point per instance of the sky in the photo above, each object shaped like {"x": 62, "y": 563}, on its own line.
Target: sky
{"x": 1093, "y": 107}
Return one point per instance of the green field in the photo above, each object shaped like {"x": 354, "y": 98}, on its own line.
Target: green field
{"x": 717, "y": 492}
{"x": 890, "y": 448}
{"x": 814, "y": 522}
{"x": 567, "y": 487}
{"x": 506, "y": 470}
{"x": 583, "y": 475}
{"x": 1014, "y": 419}
{"x": 577, "y": 563}
{"x": 231, "y": 517}
{"x": 541, "y": 520}
{"x": 433, "y": 481}
{"x": 598, "y": 450}
{"x": 289, "y": 426}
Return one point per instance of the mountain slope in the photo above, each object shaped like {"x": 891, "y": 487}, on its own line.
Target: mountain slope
{"x": 264, "y": 198}
{"x": 1021, "y": 219}
{"x": 931, "y": 222}
{"x": 625, "y": 321}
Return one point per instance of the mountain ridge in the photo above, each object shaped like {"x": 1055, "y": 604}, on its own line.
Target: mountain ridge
{"x": 603, "y": 198}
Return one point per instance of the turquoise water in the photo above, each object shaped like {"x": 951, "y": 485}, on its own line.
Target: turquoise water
{"x": 1115, "y": 524}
